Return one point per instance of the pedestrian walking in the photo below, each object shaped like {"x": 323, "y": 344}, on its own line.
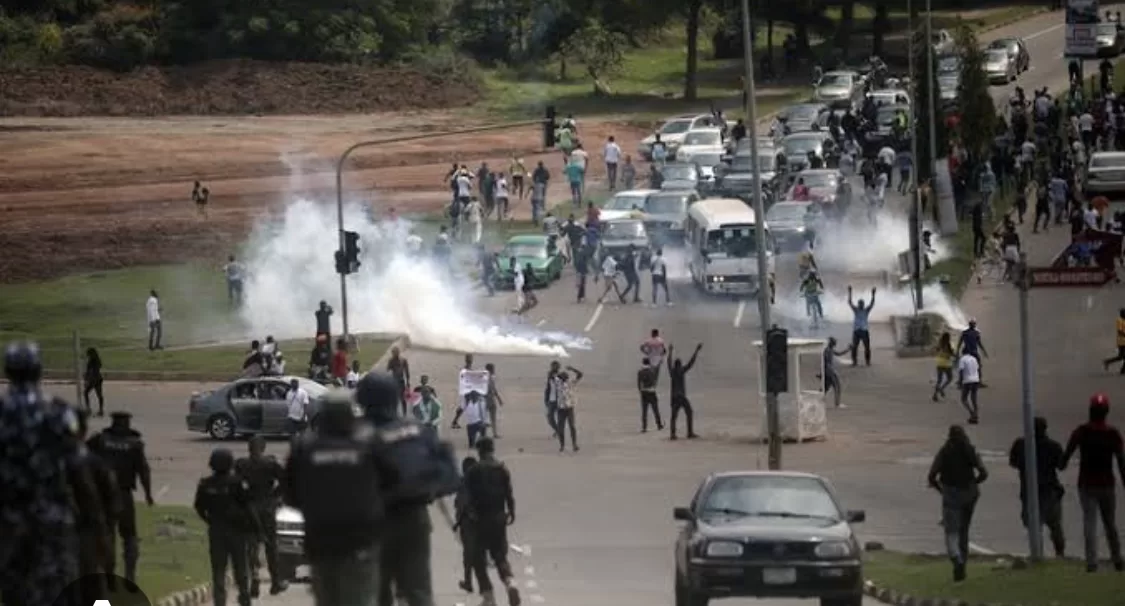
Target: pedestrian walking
{"x": 236, "y": 274}
{"x": 861, "y": 334}
{"x": 493, "y": 400}
{"x": 476, "y": 421}
{"x": 93, "y": 381}
{"x": 465, "y": 527}
{"x": 658, "y": 267}
{"x": 493, "y": 507}
{"x": 677, "y": 377}
{"x": 957, "y": 472}
{"x": 831, "y": 377}
{"x": 222, "y": 500}
{"x": 609, "y": 273}
{"x": 1120, "y": 340}
{"x": 630, "y": 266}
{"x": 264, "y": 478}
{"x": 96, "y": 512}
{"x": 297, "y": 407}
{"x": 568, "y": 401}
{"x": 1099, "y": 447}
{"x": 943, "y": 360}
{"x": 970, "y": 342}
{"x": 968, "y": 378}
{"x": 1048, "y": 457}
{"x": 581, "y": 254}
{"x": 611, "y": 153}
{"x": 646, "y": 385}
{"x": 399, "y": 367}
{"x": 551, "y": 397}
{"x": 155, "y": 327}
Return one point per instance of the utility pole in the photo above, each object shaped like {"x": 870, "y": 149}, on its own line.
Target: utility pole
{"x": 1030, "y": 462}
{"x": 915, "y": 221}
{"x": 773, "y": 420}
{"x": 340, "y": 228}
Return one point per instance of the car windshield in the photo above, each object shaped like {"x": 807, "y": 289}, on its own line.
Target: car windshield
{"x": 1107, "y": 29}
{"x": 741, "y": 163}
{"x": 799, "y": 146}
{"x": 786, "y": 212}
{"x": 624, "y": 230}
{"x": 819, "y": 180}
{"x": 949, "y": 64}
{"x": 678, "y": 173}
{"x": 625, "y": 202}
{"x": 997, "y": 55}
{"x": 732, "y": 241}
{"x": 770, "y": 496}
{"x": 708, "y": 138}
{"x": 1107, "y": 162}
{"x": 666, "y": 204}
{"x": 708, "y": 160}
{"x": 533, "y": 251}
{"x": 676, "y": 127}
{"x": 836, "y": 80}
{"x": 804, "y": 112}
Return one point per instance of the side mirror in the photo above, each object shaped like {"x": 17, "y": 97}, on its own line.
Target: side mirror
{"x": 682, "y": 514}
{"x": 857, "y": 516}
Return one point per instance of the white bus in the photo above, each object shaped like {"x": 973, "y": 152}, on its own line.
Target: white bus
{"x": 723, "y": 248}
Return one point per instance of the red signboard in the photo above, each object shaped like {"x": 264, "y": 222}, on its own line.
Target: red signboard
{"x": 1068, "y": 276}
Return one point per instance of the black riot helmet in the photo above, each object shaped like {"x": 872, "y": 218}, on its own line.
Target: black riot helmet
{"x": 222, "y": 460}
{"x": 22, "y": 364}
{"x": 378, "y": 394}
{"x": 337, "y": 416}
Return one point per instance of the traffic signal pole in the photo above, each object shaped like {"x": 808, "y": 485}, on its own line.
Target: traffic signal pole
{"x": 340, "y": 186}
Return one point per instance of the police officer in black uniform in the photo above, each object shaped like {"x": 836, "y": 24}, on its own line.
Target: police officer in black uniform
{"x": 96, "y": 519}
{"x": 122, "y": 447}
{"x": 424, "y": 471}
{"x": 39, "y": 550}
{"x": 222, "y": 500}
{"x": 266, "y": 477}
{"x": 493, "y": 507}
{"x": 335, "y": 476}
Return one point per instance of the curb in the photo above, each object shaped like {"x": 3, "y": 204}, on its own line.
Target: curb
{"x": 894, "y": 598}
{"x": 196, "y": 596}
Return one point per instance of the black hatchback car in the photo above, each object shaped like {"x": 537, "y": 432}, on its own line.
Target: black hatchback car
{"x": 767, "y": 534}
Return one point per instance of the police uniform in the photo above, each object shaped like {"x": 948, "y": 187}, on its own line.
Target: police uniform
{"x": 335, "y": 478}
{"x": 38, "y": 439}
{"x": 265, "y": 476}
{"x": 492, "y": 505}
{"x": 423, "y": 470}
{"x": 97, "y": 516}
{"x": 122, "y": 447}
{"x": 222, "y": 500}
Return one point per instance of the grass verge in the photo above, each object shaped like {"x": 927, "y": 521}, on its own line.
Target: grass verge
{"x": 992, "y": 581}
{"x": 958, "y": 268}
{"x": 173, "y": 550}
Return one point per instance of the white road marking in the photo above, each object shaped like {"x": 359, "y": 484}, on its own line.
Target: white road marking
{"x": 981, "y": 550}
{"x": 738, "y": 313}
{"x": 529, "y": 571}
{"x": 163, "y": 491}
{"x": 541, "y": 322}
{"x": 538, "y": 599}
{"x": 1043, "y": 32}
{"x": 594, "y": 318}
{"x": 517, "y": 549}
{"x": 531, "y": 584}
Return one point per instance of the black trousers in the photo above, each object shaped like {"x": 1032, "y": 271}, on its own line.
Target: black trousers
{"x": 978, "y": 243}
{"x": 227, "y": 547}
{"x": 1120, "y": 357}
{"x": 491, "y": 542}
{"x": 861, "y": 337}
{"x": 633, "y": 285}
{"x": 662, "y": 284}
{"x": 581, "y": 286}
{"x": 127, "y": 530}
{"x": 268, "y": 540}
{"x": 681, "y": 402}
{"x": 649, "y": 400}
{"x": 405, "y": 562}
{"x": 565, "y": 417}
{"x": 96, "y": 387}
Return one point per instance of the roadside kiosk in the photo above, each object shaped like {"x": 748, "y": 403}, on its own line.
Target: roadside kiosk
{"x": 802, "y": 410}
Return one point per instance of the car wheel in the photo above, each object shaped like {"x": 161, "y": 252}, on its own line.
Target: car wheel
{"x": 686, "y": 597}
{"x": 221, "y": 427}
{"x": 855, "y": 600}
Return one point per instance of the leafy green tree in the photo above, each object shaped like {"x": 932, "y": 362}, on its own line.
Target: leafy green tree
{"x": 599, "y": 50}
{"x": 924, "y": 86}
{"x": 978, "y": 112}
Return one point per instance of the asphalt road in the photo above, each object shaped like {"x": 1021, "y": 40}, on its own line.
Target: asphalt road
{"x": 596, "y": 527}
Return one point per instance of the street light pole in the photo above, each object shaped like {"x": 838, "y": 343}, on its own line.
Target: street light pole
{"x": 915, "y": 220}
{"x": 1030, "y": 456}
{"x": 773, "y": 420}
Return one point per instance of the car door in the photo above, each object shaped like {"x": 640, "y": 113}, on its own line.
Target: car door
{"x": 247, "y": 406}
{"x": 275, "y": 408}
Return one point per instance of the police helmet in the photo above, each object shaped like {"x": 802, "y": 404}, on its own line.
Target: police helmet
{"x": 337, "y": 412}
{"x": 222, "y": 460}
{"x": 378, "y": 394}
{"x": 21, "y": 362}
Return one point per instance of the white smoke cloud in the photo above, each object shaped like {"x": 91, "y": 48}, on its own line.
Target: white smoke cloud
{"x": 860, "y": 247}
{"x": 291, "y": 269}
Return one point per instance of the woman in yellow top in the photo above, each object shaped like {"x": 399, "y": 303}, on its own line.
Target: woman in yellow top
{"x": 1120, "y": 357}
{"x": 944, "y": 358}
{"x": 518, "y": 171}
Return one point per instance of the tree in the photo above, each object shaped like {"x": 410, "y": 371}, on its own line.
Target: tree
{"x": 978, "y": 112}
{"x": 601, "y": 52}
{"x": 691, "y": 71}
{"x": 924, "y": 86}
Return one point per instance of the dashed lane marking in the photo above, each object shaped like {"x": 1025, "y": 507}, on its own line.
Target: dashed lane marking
{"x": 981, "y": 550}
{"x": 738, "y": 313}
{"x": 594, "y": 318}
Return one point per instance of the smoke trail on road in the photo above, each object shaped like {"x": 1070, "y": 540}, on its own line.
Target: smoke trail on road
{"x": 858, "y": 246}
{"x": 291, "y": 268}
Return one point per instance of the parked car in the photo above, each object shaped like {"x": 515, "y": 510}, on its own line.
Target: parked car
{"x": 530, "y": 249}
{"x": 999, "y": 67}
{"x": 801, "y": 117}
{"x": 700, "y": 141}
{"x": 1110, "y": 40}
{"x": 251, "y": 406}
{"x": 828, "y": 186}
{"x": 1106, "y": 173}
{"x": 767, "y": 534}
{"x": 673, "y": 131}
{"x": 665, "y": 213}
{"x": 839, "y": 88}
{"x": 678, "y": 176}
{"x": 624, "y": 204}
{"x": 1017, "y": 52}
{"x": 798, "y": 146}
{"x": 619, "y": 234}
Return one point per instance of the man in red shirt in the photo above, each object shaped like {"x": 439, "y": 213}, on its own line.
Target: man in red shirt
{"x": 340, "y": 361}
{"x": 1099, "y": 445}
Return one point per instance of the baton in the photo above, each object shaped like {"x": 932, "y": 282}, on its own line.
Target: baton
{"x": 444, "y": 509}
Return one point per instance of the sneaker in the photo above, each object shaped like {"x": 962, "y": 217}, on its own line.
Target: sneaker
{"x": 513, "y": 596}
{"x": 958, "y": 572}
{"x": 487, "y": 599}
{"x": 465, "y": 586}
{"x": 278, "y": 587}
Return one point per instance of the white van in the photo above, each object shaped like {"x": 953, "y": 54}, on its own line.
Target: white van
{"x": 720, "y": 235}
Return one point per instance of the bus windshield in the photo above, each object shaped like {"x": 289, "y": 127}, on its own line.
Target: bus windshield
{"x": 736, "y": 241}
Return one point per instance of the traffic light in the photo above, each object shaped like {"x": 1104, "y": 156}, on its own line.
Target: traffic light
{"x": 549, "y": 127}
{"x": 341, "y": 263}
{"x": 351, "y": 251}
{"x": 777, "y": 361}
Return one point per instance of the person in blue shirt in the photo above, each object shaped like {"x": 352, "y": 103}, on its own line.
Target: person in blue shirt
{"x": 575, "y": 175}
{"x": 971, "y": 343}
{"x": 861, "y": 334}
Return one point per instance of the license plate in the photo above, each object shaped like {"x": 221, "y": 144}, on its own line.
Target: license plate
{"x": 292, "y": 546}
{"x": 779, "y": 576}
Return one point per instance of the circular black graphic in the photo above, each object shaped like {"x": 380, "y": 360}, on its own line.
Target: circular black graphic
{"x": 102, "y": 590}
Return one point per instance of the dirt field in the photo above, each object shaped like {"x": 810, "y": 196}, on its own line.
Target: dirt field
{"x": 99, "y": 193}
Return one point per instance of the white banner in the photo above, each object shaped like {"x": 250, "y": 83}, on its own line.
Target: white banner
{"x": 472, "y": 380}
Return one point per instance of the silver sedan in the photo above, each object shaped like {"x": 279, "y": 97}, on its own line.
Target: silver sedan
{"x": 1106, "y": 173}
{"x": 252, "y": 406}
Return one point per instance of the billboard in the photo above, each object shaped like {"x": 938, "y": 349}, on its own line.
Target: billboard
{"x": 1081, "y": 28}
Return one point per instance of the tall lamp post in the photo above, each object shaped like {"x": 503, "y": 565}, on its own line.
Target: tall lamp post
{"x": 773, "y": 421}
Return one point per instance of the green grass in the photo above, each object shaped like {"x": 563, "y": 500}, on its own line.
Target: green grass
{"x": 173, "y": 550}
{"x": 1051, "y": 583}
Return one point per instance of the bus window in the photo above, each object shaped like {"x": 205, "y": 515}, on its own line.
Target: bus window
{"x": 732, "y": 241}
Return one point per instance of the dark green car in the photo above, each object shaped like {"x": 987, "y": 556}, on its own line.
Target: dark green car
{"x": 534, "y": 249}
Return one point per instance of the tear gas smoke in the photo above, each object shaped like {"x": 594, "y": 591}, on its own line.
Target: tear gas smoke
{"x": 291, "y": 269}
{"x": 860, "y": 247}
{"x": 791, "y": 306}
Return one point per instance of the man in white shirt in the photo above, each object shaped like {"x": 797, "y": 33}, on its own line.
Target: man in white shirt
{"x": 968, "y": 371}
{"x": 298, "y": 407}
{"x": 235, "y": 275}
{"x": 472, "y": 409}
{"x": 581, "y": 158}
{"x": 887, "y": 155}
{"x": 659, "y": 269}
{"x": 659, "y": 153}
{"x": 518, "y": 284}
{"x": 609, "y": 272}
{"x": 473, "y": 216}
{"x": 1086, "y": 130}
{"x": 155, "y": 328}
{"x": 414, "y": 243}
{"x": 1090, "y": 216}
{"x": 612, "y": 155}
{"x": 464, "y": 186}
{"x": 500, "y": 194}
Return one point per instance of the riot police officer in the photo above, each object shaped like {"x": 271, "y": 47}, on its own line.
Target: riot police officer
{"x": 222, "y": 500}
{"x": 97, "y": 519}
{"x": 265, "y": 476}
{"x": 423, "y": 470}
{"x": 335, "y": 477}
{"x": 38, "y": 554}
{"x": 489, "y": 488}
{"x": 122, "y": 447}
